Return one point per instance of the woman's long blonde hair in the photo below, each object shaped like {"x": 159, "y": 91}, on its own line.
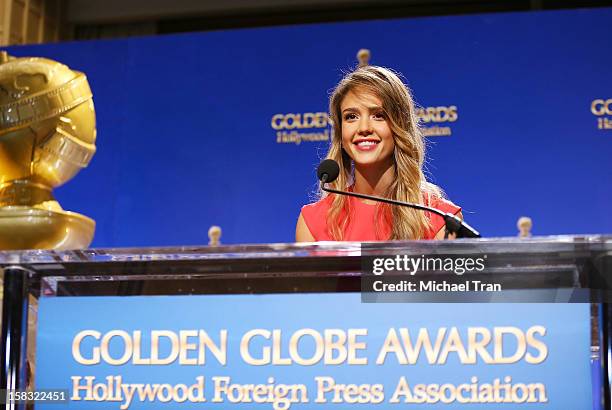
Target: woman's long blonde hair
{"x": 409, "y": 183}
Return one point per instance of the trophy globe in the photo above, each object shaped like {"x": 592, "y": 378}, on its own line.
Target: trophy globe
{"x": 47, "y": 135}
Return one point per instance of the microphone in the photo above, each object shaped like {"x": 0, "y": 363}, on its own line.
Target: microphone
{"x": 329, "y": 170}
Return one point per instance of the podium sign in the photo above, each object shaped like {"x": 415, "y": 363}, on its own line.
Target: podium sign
{"x": 312, "y": 351}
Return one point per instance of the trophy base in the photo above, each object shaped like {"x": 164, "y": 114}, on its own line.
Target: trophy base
{"x": 23, "y": 227}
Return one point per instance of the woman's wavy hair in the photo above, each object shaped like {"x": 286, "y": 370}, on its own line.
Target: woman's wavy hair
{"x": 409, "y": 183}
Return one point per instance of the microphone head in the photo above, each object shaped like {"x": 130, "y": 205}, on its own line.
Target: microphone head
{"x": 328, "y": 169}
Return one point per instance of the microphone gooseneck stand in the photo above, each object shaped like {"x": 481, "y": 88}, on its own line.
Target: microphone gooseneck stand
{"x": 453, "y": 224}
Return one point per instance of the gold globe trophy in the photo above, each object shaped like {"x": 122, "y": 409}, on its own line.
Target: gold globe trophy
{"x": 47, "y": 135}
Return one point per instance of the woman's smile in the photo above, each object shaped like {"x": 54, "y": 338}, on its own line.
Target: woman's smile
{"x": 366, "y": 145}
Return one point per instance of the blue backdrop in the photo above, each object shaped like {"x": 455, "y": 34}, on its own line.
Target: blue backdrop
{"x": 185, "y": 135}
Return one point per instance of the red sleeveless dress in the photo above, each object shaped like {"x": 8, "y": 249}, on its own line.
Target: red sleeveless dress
{"x": 361, "y": 226}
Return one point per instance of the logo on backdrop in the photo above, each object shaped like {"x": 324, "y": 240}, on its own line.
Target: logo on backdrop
{"x": 436, "y": 121}
{"x": 295, "y": 128}
{"x": 602, "y": 108}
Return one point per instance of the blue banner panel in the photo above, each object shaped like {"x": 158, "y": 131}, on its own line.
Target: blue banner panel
{"x": 226, "y": 127}
{"x": 312, "y": 351}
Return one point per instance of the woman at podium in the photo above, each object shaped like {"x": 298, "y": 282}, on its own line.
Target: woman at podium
{"x": 377, "y": 142}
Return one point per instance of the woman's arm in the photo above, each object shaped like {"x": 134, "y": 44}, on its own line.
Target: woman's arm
{"x": 302, "y": 233}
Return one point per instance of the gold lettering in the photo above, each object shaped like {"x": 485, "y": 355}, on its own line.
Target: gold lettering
{"x": 423, "y": 341}
{"x": 76, "y": 347}
{"x": 206, "y": 343}
{"x": 100, "y": 392}
{"x": 536, "y": 344}
{"x": 391, "y": 345}
{"x": 179, "y": 393}
{"x": 76, "y": 387}
{"x": 127, "y": 350}
{"x": 337, "y": 345}
{"x": 137, "y": 359}
{"x": 354, "y": 347}
{"x": 498, "y": 348}
{"x": 324, "y": 385}
{"x": 167, "y": 396}
{"x": 156, "y": 335}
{"x": 244, "y": 347}
{"x": 601, "y": 107}
{"x": 453, "y": 344}
{"x": 478, "y": 346}
{"x": 276, "y": 349}
{"x": 460, "y": 389}
{"x": 294, "y": 123}
{"x": 277, "y": 122}
{"x": 402, "y": 390}
{"x": 295, "y": 353}
{"x": 185, "y": 347}
{"x": 452, "y": 113}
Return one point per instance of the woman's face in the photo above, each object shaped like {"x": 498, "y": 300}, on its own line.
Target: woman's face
{"x": 366, "y": 136}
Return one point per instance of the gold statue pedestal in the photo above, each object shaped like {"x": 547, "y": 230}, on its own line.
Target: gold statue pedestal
{"x": 24, "y": 227}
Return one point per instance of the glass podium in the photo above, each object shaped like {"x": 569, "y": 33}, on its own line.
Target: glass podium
{"x": 307, "y": 325}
